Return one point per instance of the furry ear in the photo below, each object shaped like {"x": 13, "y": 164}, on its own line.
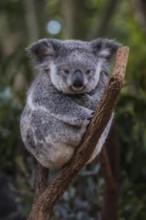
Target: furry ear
{"x": 41, "y": 50}
{"x": 104, "y": 48}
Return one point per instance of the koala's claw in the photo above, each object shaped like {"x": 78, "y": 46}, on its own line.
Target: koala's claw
{"x": 91, "y": 116}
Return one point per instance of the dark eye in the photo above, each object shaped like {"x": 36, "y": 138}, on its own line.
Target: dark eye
{"x": 88, "y": 71}
{"x": 66, "y": 71}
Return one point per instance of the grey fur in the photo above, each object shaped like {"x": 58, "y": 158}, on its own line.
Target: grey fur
{"x": 57, "y": 113}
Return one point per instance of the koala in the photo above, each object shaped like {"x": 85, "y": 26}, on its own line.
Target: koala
{"x": 63, "y": 97}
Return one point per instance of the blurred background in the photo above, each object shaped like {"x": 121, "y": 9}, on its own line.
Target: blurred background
{"x": 24, "y": 21}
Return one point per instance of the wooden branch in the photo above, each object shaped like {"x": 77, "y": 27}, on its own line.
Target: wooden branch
{"x": 43, "y": 206}
{"x": 41, "y": 182}
{"x": 110, "y": 197}
{"x": 106, "y": 170}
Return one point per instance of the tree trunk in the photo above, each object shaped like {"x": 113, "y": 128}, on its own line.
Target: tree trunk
{"x": 36, "y": 18}
{"x": 73, "y": 13}
{"x": 110, "y": 203}
{"x": 139, "y": 7}
{"x": 31, "y": 20}
{"x": 108, "y": 14}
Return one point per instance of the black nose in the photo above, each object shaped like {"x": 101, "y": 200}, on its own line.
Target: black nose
{"x": 78, "y": 79}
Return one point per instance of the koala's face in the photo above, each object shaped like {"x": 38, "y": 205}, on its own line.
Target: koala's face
{"x": 74, "y": 66}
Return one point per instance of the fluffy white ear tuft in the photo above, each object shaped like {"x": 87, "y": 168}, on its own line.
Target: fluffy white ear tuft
{"x": 104, "y": 53}
{"x": 104, "y": 48}
{"x": 42, "y": 50}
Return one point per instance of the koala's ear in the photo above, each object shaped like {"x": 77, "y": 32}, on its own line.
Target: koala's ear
{"x": 104, "y": 48}
{"x": 41, "y": 50}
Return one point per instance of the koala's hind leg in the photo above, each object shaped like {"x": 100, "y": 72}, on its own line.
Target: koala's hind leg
{"x": 102, "y": 140}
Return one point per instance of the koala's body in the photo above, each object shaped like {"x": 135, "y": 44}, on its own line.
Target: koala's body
{"x": 63, "y": 97}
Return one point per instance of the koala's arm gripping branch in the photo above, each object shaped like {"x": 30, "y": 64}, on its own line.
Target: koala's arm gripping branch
{"x": 43, "y": 205}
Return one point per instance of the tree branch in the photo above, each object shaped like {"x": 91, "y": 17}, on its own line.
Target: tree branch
{"x": 41, "y": 182}
{"x": 42, "y": 207}
{"x": 106, "y": 169}
{"x": 110, "y": 198}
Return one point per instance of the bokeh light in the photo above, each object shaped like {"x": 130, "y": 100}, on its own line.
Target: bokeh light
{"x": 53, "y": 27}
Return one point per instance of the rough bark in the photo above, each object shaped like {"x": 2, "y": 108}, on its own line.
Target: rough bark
{"x": 42, "y": 207}
{"x": 41, "y": 182}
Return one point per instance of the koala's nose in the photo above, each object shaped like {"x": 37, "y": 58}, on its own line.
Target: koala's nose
{"x": 78, "y": 79}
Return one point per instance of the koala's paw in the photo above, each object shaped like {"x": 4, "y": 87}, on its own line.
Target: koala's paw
{"x": 91, "y": 115}
{"x": 83, "y": 118}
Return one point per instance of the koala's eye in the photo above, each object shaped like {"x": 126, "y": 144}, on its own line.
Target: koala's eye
{"x": 88, "y": 71}
{"x": 66, "y": 71}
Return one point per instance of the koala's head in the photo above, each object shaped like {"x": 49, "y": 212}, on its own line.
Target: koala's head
{"x": 73, "y": 66}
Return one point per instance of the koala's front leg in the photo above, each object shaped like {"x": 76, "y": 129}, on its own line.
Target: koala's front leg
{"x": 64, "y": 108}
